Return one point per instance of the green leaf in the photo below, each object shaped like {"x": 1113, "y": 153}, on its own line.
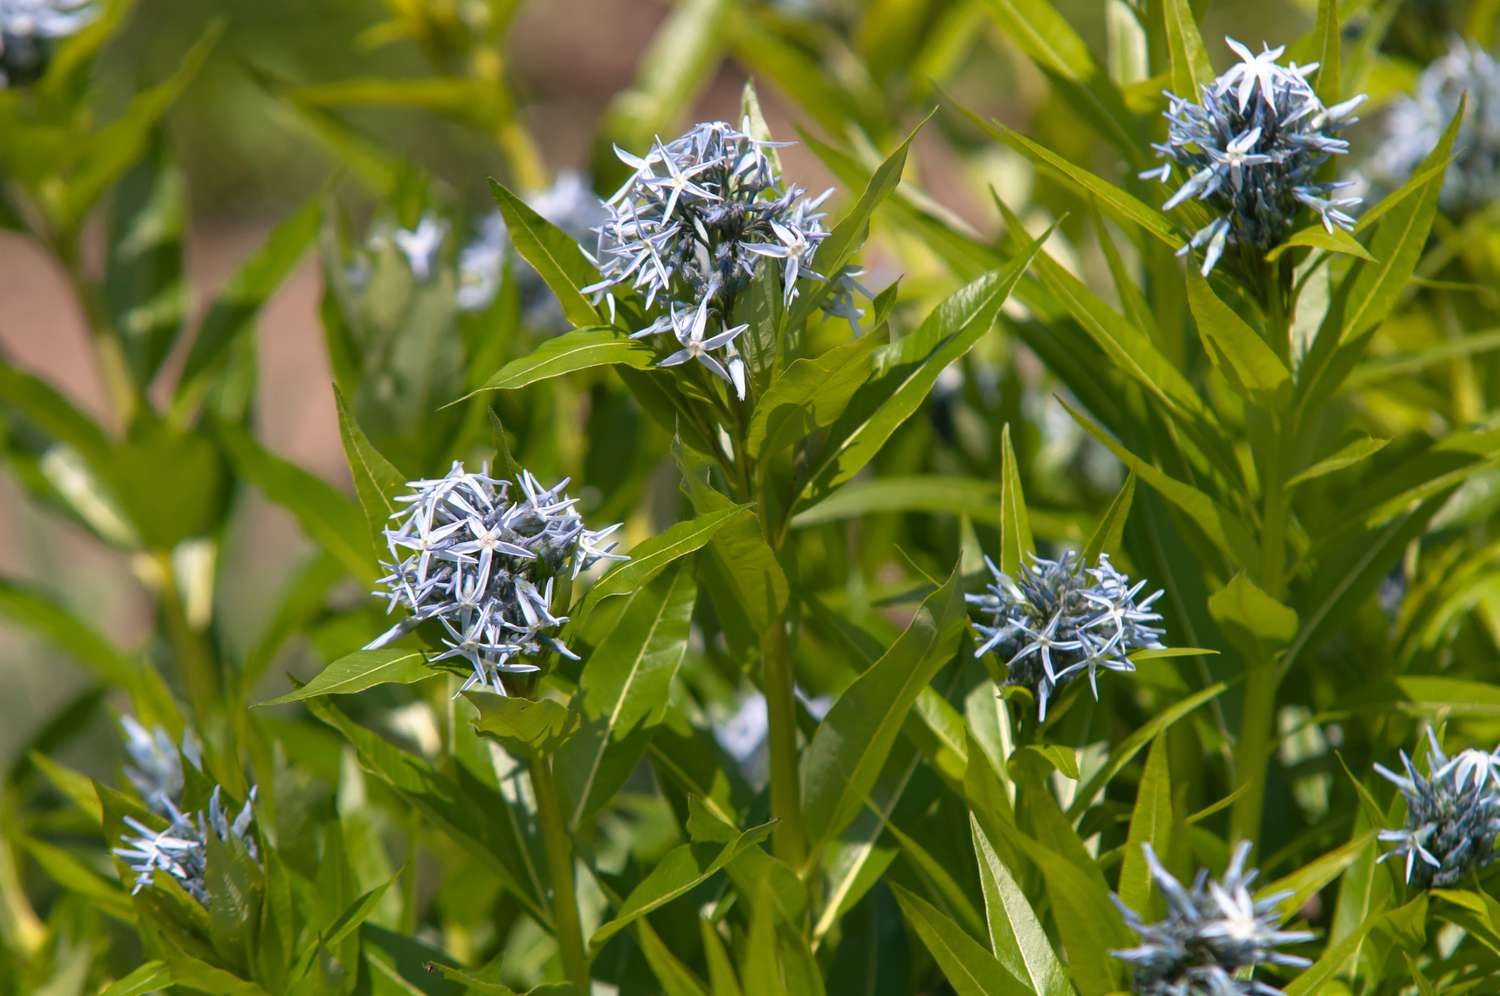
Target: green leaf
{"x": 1015, "y": 526}
{"x": 1190, "y": 64}
{"x": 1328, "y": 33}
{"x": 1045, "y": 35}
{"x": 1132, "y": 745}
{"x": 376, "y": 480}
{"x": 361, "y": 670}
{"x": 44, "y": 405}
{"x": 41, "y": 613}
{"x": 809, "y": 395}
{"x": 1108, "y": 535}
{"x": 1016, "y": 934}
{"x": 580, "y": 349}
{"x": 748, "y": 564}
{"x": 523, "y": 725}
{"x": 849, "y": 234}
{"x": 73, "y": 875}
{"x": 1251, "y": 618}
{"x": 553, "y": 254}
{"x": 969, "y": 968}
{"x": 676, "y": 874}
{"x": 941, "y": 881}
{"x": 1150, "y": 823}
{"x": 1318, "y": 237}
{"x": 850, "y": 746}
{"x": 881, "y": 405}
{"x": 451, "y": 804}
{"x": 650, "y": 557}
{"x": 329, "y": 519}
{"x": 233, "y": 312}
{"x": 1121, "y": 204}
{"x": 676, "y": 978}
{"x": 153, "y": 976}
{"x": 623, "y": 691}
{"x": 721, "y": 977}
{"x": 1348, "y": 455}
{"x": 1251, "y": 366}
{"x": 1309, "y": 880}
{"x": 939, "y": 493}
{"x": 467, "y": 99}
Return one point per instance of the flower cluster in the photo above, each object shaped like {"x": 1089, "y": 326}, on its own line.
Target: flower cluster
{"x": 1452, "y": 815}
{"x": 27, "y": 29}
{"x": 1057, "y": 619}
{"x": 1416, "y": 122}
{"x": 180, "y": 850}
{"x": 1211, "y": 932}
{"x": 569, "y": 204}
{"x": 692, "y": 227}
{"x": 480, "y": 558}
{"x": 1252, "y": 146}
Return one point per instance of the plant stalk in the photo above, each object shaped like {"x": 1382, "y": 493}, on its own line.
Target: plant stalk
{"x": 789, "y": 841}
{"x": 559, "y": 847}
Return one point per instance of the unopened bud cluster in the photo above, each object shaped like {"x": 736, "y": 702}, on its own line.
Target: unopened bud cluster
{"x": 479, "y": 555}
{"x": 181, "y": 849}
{"x": 1452, "y": 815}
{"x": 697, "y": 220}
{"x": 1251, "y": 147}
{"x": 1212, "y": 932}
{"x": 1056, "y": 620}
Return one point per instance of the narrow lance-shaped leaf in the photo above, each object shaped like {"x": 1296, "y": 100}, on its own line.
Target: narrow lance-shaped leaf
{"x": 376, "y": 479}
{"x": 835, "y": 251}
{"x": 677, "y": 873}
{"x": 1016, "y": 934}
{"x": 623, "y": 691}
{"x": 879, "y": 407}
{"x": 969, "y": 968}
{"x": 851, "y": 744}
{"x": 553, "y": 254}
{"x": 1150, "y": 823}
{"x": 580, "y": 349}
{"x": 328, "y": 517}
{"x": 1015, "y": 525}
{"x": 361, "y": 670}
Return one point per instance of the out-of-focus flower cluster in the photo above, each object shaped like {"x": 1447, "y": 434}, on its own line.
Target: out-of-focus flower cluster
{"x": 569, "y": 204}
{"x": 692, "y": 227}
{"x": 1416, "y": 123}
{"x": 1057, "y": 619}
{"x": 180, "y": 850}
{"x": 1452, "y": 815}
{"x": 1251, "y": 147}
{"x": 28, "y": 29}
{"x": 479, "y": 555}
{"x": 1211, "y": 932}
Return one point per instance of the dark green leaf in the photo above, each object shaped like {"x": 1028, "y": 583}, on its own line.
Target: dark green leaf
{"x": 674, "y": 875}
{"x": 969, "y": 968}
{"x": 851, "y": 744}
{"x": 623, "y": 690}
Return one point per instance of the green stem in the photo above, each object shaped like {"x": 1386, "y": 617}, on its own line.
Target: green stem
{"x": 1254, "y": 749}
{"x": 789, "y": 842}
{"x": 114, "y": 370}
{"x": 1262, "y": 675}
{"x": 559, "y": 847}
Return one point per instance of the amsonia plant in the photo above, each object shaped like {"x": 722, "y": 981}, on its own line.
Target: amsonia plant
{"x": 1064, "y": 561}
